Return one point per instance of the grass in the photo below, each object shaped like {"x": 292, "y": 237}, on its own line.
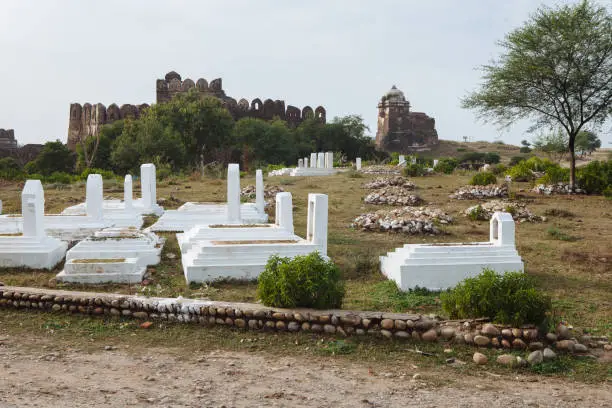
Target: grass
{"x": 556, "y": 233}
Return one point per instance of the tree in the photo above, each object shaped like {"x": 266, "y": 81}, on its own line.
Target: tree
{"x": 587, "y": 142}
{"x": 54, "y": 157}
{"x": 101, "y": 147}
{"x": 554, "y": 144}
{"x": 555, "y": 70}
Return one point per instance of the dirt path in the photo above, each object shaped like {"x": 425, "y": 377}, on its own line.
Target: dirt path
{"x": 48, "y": 376}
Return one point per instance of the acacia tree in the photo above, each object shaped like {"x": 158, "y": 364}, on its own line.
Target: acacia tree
{"x": 555, "y": 70}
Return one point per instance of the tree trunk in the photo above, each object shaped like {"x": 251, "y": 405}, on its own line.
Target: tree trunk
{"x": 572, "y": 139}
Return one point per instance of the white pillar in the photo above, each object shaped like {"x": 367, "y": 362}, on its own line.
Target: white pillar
{"x": 259, "y": 192}
{"x": 233, "y": 193}
{"x": 501, "y": 229}
{"x": 33, "y": 209}
{"x": 329, "y": 160}
{"x": 306, "y": 162}
{"x": 401, "y": 159}
{"x": 148, "y": 185}
{"x": 300, "y": 163}
{"x": 316, "y": 229}
{"x": 127, "y": 193}
{"x": 0, "y": 207}
{"x": 313, "y": 160}
{"x": 435, "y": 163}
{"x": 358, "y": 163}
{"x": 94, "y": 196}
{"x": 284, "y": 211}
{"x": 320, "y": 160}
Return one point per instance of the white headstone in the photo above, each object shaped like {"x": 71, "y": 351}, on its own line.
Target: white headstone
{"x": 321, "y": 160}
{"x": 501, "y": 229}
{"x": 305, "y": 161}
{"x": 233, "y": 193}
{"x": 313, "y": 160}
{"x": 300, "y": 163}
{"x": 148, "y": 185}
{"x": 329, "y": 160}
{"x": 284, "y": 211}
{"x": 358, "y": 163}
{"x": 33, "y": 209}
{"x": 414, "y": 160}
{"x": 94, "y": 196}
{"x": 401, "y": 159}
{"x": 127, "y": 193}
{"x": 316, "y": 229}
{"x": 259, "y": 191}
{"x": 0, "y": 207}
{"x": 435, "y": 163}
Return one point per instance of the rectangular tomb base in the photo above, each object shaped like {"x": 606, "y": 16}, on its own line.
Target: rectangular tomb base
{"x": 31, "y": 252}
{"x": 91, "y": 271}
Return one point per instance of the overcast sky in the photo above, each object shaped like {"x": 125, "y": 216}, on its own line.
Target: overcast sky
{"x": 342, "y": 54}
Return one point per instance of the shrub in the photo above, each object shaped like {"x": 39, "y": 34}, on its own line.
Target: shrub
{"x": 555, "y": 175}
{"x": 461, "y": 149}
{"x": 414, "y": 170}
{"x": 514, "y": 160}
{"x": 483, "y": 179}
{"x": 521, "y": 172}
{"x": 106, "y": 174}
{"x": 478, "y": 214}
{"x": 498, "y": 169}
{"x": 446, "y": 165}
{"x": 304, "y": 281}
{"x": 509, "y": 298}
{"x": 595, "y": 177}
{"x": 491, "y": 158}
{"x": 472, "y": 157}
{"x": 556, "y": 233}
{"x": 525, "y": 149}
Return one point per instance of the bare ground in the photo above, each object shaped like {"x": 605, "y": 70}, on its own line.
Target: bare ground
{"x": 37, "y": 372}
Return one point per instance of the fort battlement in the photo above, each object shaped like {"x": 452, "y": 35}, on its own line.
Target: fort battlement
{"x": 86, "y": 120}
{"x": 7, "y": 139}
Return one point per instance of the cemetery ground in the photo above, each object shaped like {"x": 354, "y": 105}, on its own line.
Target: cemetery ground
{"x": 569, "y": 255}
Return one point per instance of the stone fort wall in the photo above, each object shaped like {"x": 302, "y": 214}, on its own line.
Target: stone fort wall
{"x": 86, "y": 120}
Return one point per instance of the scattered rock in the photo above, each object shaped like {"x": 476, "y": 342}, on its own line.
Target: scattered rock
{"x": 548, "y": 354}
{"x": 146, "y": 325}
{"x": 507, "y": 360}
{"x": 480, "y": 358}
{"x": 476, "y": 192}
{"x": 380, "y": 169}
{"x": 535, "y": 357}
{"x": 559, "y": 188}
{"x": 551, "y": 337}
{"x": 381, "y": 182}
{"x": 607, "y": 347}
{"x": 407, "y": 220}
{"x": 519, "y": 344}
{"x": 490, "y": 330}
{"x": 519, "y": 211}
{"x": 393, "y": 195}
{"x": 565, "y": 345}
{"x": 481, "y": 341}
{"x": 580, "y": 348}
{"x": 430, "y": 335}
{"x": 563, "y": 332}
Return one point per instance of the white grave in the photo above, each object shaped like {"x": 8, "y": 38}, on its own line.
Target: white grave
{"x": 192, "y": 214}
{"x": 305, "y": 165}
{"x": 145, "y": 205}
{"x": 435, "y": 163}
{"x": 32, "y": 248}
{"x": 118, "y": 255}
{"x": 313, "y": 160}
{"x": 358, "y": 163}
{"x": 402, "y": 160}
{"x": 215, "y": 252}
{"x": 300, "y": 163}
{"x": 329, "y": 160}
{"x": 441, "y": 266}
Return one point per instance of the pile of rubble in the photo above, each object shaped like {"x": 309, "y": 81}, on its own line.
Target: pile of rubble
{"x": 407, "y": 220}
{"x": 270, "y": 192}
{"x": 380, "y": 169}
{"x": 559, "y": 188}
{"x": 393, "y": 195}
{"x": 479, "y": 192}
{"x": 519, "y": 211}
{"x": 381, "y": 182}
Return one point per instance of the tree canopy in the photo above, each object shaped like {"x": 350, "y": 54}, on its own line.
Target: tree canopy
{"x": 555, "y": 70}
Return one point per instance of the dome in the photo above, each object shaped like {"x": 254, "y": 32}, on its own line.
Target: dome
{"x": 395, "y": 95}
{"x": 172, "y": 75}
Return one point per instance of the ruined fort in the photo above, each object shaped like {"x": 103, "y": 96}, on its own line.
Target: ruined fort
{"x": 399, "y": 129}
{"x": 10, "y": 148}
{"x": 86, "y": 120}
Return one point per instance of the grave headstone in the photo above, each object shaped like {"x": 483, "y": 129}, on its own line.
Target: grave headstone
{"x": 233, "y": 193}
{"x": 305, "y": 161}
{"x": 259, "y": 191}
{"x": 316, "y": 228}
{"x": 435, "y": 163}
{"x": 358, "y": 163}
{"x": 320, "y": 160}
{"x": 148, "y": 185}
{"x": 413, "y": 160}
{"x": 127, "y": 193}
{"x": 94, "y": 196}
{"x": 33, "y": 209}
{"x": 0, "y": 207}
{"x": 284, "y": 211}
{"x": 329, "y": 160}
{"x": 401, "y": 159}
{"x": 313, "y": 160}
{"x": 300, "y": 163}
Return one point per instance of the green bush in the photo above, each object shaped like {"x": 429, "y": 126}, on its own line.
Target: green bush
{"x": 554, "y": 175}
{"x": 521, "y": 172}
{"x": 483, "y": 179}
{"x": 514, "y": 160}
{"x": 106, "y": 174}
{"x": 414, "y": 170}
{"x": 491, "y": 158}
{"x": 595, "y": 177}
{"x": 525, "y": 149}
{"x": 446, "y": 165}
{"x": 461, "y": 149}
{"x": 608, "y": 192}
{"x": 304, "y": 281}
{"x": 478, "y": 214}
{"x": 509, "y": 298}
{"x": 498, "y": 169}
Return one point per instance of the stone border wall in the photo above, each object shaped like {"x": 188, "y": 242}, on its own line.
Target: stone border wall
{"x": 256, "y": 317}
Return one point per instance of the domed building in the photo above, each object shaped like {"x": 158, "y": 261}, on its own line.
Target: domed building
{"x": 400, "y": 130}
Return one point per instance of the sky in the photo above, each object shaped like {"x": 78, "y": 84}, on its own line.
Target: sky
{"x": 341, "y": 54}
